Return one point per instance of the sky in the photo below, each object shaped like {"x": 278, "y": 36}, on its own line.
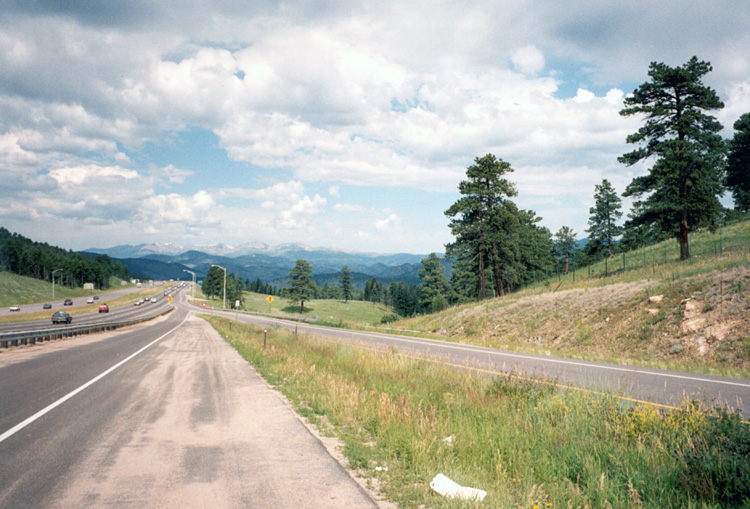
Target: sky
{"x": 339, "y": 124}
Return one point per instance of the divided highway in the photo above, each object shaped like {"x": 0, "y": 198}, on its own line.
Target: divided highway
{"x": 164, "y": 414}
{"x": 167, "y": 414}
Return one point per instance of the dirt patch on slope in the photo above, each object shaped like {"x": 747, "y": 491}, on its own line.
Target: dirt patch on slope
{"x": 700, "y": 320}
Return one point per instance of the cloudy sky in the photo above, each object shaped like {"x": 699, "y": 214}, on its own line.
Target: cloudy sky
{"x": 345, "y": 124}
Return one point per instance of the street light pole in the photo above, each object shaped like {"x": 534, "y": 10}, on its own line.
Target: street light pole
{"x": 53, "y": 282}
{"x": 224, "y": 304}
{"x": 193, "y": 273}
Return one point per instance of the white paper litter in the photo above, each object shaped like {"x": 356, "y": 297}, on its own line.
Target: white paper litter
{"x": 451, "y": 489}
{"x": 449, "y": 440}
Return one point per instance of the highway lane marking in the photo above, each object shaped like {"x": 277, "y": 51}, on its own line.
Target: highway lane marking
{"x": 477, "y": 349}
{"x": 18, "y": 427}
{"x": 511, "y": 375}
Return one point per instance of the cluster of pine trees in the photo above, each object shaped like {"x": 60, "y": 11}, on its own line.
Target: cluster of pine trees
{"x": 499, "y": 247}
{"x": 25, "y": 257}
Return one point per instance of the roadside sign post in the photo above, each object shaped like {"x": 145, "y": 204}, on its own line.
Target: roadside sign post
{"x": 270, "y": 299}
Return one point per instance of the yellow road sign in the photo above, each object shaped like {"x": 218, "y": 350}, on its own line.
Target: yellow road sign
{"x": 270, "y": 299}
{"x": 169, "y": 298}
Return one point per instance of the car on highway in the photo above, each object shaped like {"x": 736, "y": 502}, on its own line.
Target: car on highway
{"x": 96, "y": 297}
{"x": 90, "y": 300}
{"x": 153, "y": 299}
{"x": 15, "y": 308}
{"x": 47, "y": 306}
{"x": 138, "y": 303}
{"x": 68, "y": 302}
{"x": 103, "y": 308}
{"x": 61, "y": 317}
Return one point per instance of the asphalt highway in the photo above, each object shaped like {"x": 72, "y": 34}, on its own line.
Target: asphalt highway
{"x": 167, "y": 414}
{"x": 164, "y": 414}
{"x": 631, "y": 383}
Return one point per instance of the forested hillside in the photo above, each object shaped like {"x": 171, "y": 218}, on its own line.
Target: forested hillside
{"x": 26, "y": 257}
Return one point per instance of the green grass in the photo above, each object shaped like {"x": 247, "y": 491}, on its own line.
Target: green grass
{"x": 527, "y": 444}
{"x": 326, "y": 311}
{"x": 25, "y": 290}
{"x": 709, "y": 251}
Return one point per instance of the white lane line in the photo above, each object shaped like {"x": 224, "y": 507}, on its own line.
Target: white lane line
{"x": 555, "y": 360}
{"x": 474, "y": 349}
{"x": 18, "y": 427}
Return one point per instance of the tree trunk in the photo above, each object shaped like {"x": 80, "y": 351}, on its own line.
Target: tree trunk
{"x": 496, "y": 273}
{"x": 302, "y": 307}
{"x": 683, "y": 238}
{"x": 482, "y": 275}
{"x": 482, "y": 284}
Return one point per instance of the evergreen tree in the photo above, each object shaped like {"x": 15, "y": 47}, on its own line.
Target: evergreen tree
{"x": 235, "y": 288}
{"x": 213, "y": 283}
{"x": 565, "y": 244}
{"x": 605, "y": 213}
{"x": 475, "y": 215}
{"x": 434, "y": 287}
{"x": 738, "y": 164}
{"x": 683, "y": 184}
{"x": 302, "y": 287}
{"x": 372, "y": 290}
{"x": 345, "y": 278}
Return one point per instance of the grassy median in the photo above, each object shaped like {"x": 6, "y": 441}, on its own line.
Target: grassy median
{"x": 527, "y": 444}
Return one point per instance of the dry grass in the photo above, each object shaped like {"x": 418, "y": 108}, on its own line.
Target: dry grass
{"x": 697, "y": 323}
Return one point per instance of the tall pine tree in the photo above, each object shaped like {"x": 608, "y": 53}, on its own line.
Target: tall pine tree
{"x": 345, "y": 278}
{"x": 475, "y": 215}
{"x": 684, "y": 182}
{"x": 302, "y": 287}
{"x": 738, "y": 164}
{"x": 603, "y": 228}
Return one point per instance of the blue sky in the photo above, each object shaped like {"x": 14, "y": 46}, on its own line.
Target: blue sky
{"x": 337, "y": 124}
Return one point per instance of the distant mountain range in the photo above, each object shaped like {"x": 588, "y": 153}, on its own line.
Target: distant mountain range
{"x": 270, "y": 264}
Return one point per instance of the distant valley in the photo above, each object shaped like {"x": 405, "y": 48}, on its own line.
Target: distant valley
{"x": 270, "y": 264}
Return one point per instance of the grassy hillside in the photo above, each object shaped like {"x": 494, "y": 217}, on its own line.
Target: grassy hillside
{"x": 25, "y": 290}
{"x": 651, "y": 309}
{"x": 352, "y": 314}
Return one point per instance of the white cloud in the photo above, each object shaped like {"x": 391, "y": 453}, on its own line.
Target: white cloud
{"x": 301, "y": 213}
{"x": 333, "y": 94}
{"x": 528, "y": 59}
{"x": 388, "y": 223}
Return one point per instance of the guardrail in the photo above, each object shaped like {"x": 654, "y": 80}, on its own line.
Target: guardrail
{"x": 9, "y": 339}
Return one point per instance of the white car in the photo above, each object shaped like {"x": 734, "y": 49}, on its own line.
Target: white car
{"x": 15, "y": 308}
{"x": 90, "y": 300}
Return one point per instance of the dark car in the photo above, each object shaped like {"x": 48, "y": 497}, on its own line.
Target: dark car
{"x": 103, "y": 308}
{"x": 68, "y": 302}
{"x": 47, "y": 306}
{"x": 61, "y": 317}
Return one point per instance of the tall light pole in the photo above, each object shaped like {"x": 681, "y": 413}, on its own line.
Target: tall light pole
{"x": 224, "y": 304}
{"x": 53, "y": 282}
{"x": 193, "y": 273}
